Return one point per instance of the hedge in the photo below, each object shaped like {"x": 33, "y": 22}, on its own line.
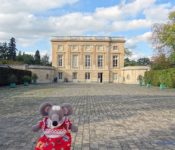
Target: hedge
{"x": 156, "y": 77}
{"x": 5, "y": 73}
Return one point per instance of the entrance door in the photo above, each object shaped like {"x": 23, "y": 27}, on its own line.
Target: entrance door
{"x": 100, "y": 77}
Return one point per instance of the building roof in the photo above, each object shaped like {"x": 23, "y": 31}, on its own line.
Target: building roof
{"x": 87, "y": 38}
{"x": 40, "y": 67}
{"x": 136, "y": 68}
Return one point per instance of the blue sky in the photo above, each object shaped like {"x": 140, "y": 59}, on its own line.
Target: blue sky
{"x": 33, "y": 23}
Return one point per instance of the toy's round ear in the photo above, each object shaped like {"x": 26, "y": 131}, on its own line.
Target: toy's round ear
{"x": 44, "y": 108}
{"x": 67, "y": 109}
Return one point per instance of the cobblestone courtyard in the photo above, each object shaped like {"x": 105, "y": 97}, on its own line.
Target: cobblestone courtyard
{"x": 109, "y": 116}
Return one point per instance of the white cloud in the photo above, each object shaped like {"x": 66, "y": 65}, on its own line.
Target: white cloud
{"x": 158, "y": 13}
{"x": 130, "y": 25}
{"x": 136, "y": 6}
{"x": 18, "y": 19}
{"x": 15, "y": 6}
{"x": 132, "y": 42}
{"x": 136, "y": 55}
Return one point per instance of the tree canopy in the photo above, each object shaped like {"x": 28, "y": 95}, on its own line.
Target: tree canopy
{"x": 164, "y": 35}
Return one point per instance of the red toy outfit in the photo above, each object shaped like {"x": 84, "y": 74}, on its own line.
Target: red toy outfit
{"x": 58, "y": 138}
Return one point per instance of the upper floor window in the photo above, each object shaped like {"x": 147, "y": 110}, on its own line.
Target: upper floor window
{"x": 87, "y": 61}
{"x": 115, "y": 61}
{"x": 115, "y": 47}
{"x": 74, "y": 47}
{"x": 100, "y": 61}
{"x": 60, "y": 60}
{"x": 88, "y": 47}
{"x": 60, "y": 48}
{"x": 74, "y": 61}
{"x": 100, "y": 48}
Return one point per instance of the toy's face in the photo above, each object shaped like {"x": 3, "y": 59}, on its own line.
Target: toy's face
{"x": 56, "y": 114}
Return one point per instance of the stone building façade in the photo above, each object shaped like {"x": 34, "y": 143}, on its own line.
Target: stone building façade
{"x": 93, "y": 59}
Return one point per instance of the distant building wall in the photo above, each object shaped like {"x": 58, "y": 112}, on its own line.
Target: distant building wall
{"x": 45, "y": 73}
{"x": 131, "y": 74}
{"x": 88, "y": 59}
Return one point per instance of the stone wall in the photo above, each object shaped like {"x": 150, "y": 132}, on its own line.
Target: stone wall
{"x": 131, "y": 74}
{"x": 45, "y": 73}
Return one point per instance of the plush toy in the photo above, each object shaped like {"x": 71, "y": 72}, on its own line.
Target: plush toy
{"x": 55, "y": 126}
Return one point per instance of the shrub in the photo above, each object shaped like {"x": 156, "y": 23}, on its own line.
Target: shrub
{"x": 27, "y": 78}
{"x": 157, "y": 77}
{"x": 6, "y": 72}
{"x": 12, "y": 79}
{"x": 34, "y": 78}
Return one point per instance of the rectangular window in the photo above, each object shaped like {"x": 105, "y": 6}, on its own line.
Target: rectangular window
{"x": 74, "y": 61}
{"x": 74, "y": 75}
{"x": 115, "y": 76}
{"x": 60, "y": 60}
{"x": 60, "y": 75}
{"x": 60, "y": 48}
{"x": 88, "y": 47}
{"x": 87, "y": 61}
{"x": 115, "y": 47}
{"x": 100, "y": 61}
{"x": 100, "y": 48}
{"x": 87, "y": 75}
{"x": 115, "y": 61}
{"x": 74, "y": 47}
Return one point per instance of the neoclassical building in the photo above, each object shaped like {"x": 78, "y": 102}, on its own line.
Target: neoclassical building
{"x": 90, "y": 59}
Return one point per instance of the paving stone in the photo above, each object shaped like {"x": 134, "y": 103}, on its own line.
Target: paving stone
{"x": 109, "y": 116}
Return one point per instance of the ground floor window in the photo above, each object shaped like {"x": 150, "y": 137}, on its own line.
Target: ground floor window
{"x": 87, "y": 76}
{"x": 60, "y": 75}
{"x": 115, "y": 76}
{"x": 74, "y": 75}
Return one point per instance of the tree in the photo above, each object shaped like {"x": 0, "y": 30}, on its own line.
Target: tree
{"x": 37, "y": 57}
{"x": 172, "y": 58}
{"x": 163, "y": 36}
{"x": 129, "y": 62}
{"x": 160, "y": 62}
{"x": 128, "y": 53}
{"x": 28, "y": 59}
{"x": 12, "y": 49}
{"x": 143, "y": 61}
{"x": 19, "y": 57}
{"x": 3, "y": 51}
{"x": 45, "y": 60}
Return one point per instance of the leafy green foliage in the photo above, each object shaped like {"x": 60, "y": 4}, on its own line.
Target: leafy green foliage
{"x": 140, "y": 62}
{"x": 8, "y": 55}
{"x": 34, "y": 77}
{"x": 160, "y": 62}
{"x": 128, "y": 53}
{"x": 45, "y": 60}
{"x": 5, "y": 74}
{"x": 12, "y": 49}
{"x": 163, "y": 36}
{"x": 157, "y": 77}
{"x": 37, "y": 57}
{"x": 12, "y": 79}
{"x": 27, "y": 78}
{"x": 143, "y": 61}
{"x": 8, "y": 50}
